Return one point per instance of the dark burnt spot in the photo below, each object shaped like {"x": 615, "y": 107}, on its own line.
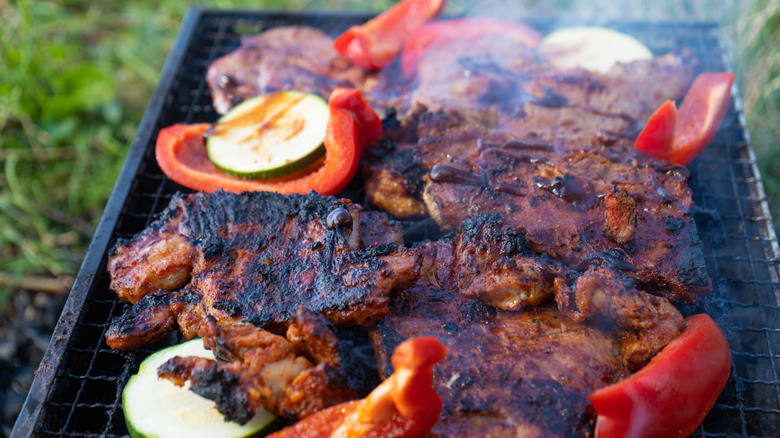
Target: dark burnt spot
{"x": 513, "y": 243}
{"x": 229, "y": 307}
{"x": 614, "y": 259}
{"x": 691, "y": 269}
{"x": 216, "y": 384}
{"x": 477, "y": 311}
{"x": 259, "y": 319}
{"x": 213, "y": 248}
{"x": 450, "y": 327}
{"x": 315, "y": 245}
{"x": 390, "y": 122}
{"x": 674, "y": 224}
{"x": 375, "y": 251}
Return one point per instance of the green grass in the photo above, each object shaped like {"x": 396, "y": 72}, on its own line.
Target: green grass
{"x": 77, "y": 75}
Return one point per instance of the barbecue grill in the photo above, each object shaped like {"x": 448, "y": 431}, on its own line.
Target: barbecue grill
{"x": 77, "y": 391}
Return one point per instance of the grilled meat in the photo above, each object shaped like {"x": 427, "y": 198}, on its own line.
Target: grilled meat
{"x": 284, "y": 58}
{"x": 251, "y": 258}
{"x": 528, "y": 372}
{"x": 506, "y": 374}
{"x": 599, "y": 203}
{"x": 491, "y": 262}
{"x": 559, "y": 235}
{"x": 499, "y": 84}
{"x": 494, "y": 86}
{"x": 293, "y": 377}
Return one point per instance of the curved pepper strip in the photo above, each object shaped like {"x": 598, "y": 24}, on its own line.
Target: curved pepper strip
{"x": 405, "y": 405}
{"x": 679, "y": 135}
{"x": 441, "y": 33}
{"x": 672, "y": 394}
{"x": 656, "y": 138}
{"x": 374, "y": 44}
{"x": 352, "y": 125}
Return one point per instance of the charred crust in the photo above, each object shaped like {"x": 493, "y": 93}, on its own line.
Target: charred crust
{"x": 675, "y": 225}
{"x": 227, "y": 306}
{"x": 375, "y": 251}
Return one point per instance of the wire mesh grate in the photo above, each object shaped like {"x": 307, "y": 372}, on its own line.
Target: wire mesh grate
{"x": 83, "y": 398}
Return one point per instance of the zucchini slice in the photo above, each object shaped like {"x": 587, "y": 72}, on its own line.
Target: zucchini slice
{"x": 155, "y": 407}
{"x": 270, "y": 136}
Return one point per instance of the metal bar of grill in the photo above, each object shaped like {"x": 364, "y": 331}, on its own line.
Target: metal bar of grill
{"x": 77, "y": 391}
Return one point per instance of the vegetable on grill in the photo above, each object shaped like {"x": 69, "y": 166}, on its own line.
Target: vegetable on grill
{"x": 374, "y": 44}
{"x": 592, "y": 48}
{"x": 672, "y": 394}
{"x": 679, "y": 135}
{"x": 352, "y": 125}
{"x": 405, "y": 405}
{"x": 155, "y": 407}
{"x": 271, "y": 135}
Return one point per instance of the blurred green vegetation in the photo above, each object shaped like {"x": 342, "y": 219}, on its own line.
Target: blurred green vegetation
{"x": 77, "y": 75}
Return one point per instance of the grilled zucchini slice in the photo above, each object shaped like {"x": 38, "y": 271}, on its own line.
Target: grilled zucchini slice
{"x": 270, "y": 136}
{"x": 154, "y": 407}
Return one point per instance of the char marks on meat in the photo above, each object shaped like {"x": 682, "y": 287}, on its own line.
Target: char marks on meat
{"x": 251, "y": 258}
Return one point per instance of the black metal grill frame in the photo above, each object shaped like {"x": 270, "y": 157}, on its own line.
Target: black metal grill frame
{"x": 78, "y": 387}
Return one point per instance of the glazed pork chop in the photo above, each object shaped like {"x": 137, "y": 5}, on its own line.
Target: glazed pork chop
{"x": 601, "y": 202}
{"x": 251, "y": 258}
{"x": 506, "y": 374}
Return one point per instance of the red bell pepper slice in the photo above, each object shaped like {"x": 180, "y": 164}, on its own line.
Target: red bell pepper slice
{"x": 352, "y": 125}
{"x": 656, "y": 138}
{"x": 693, "y": 125}
{"x": 672, "y": 394}
{"x": 405, "y": 405}
{"x": 374, "y": 44}
{"x": 440, "y": 33}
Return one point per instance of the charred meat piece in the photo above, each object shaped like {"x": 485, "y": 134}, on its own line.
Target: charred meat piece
{"x": 603, "y": 203}
{"x": 506, "y": 374}
{"x": 255, "y": 258}
{"x": 293, "y": 377}
{"x": 284, "y": 58}
{"x": 488, "y": 261}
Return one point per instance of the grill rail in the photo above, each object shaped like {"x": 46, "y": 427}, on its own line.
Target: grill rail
{"x": 78, "y": 387}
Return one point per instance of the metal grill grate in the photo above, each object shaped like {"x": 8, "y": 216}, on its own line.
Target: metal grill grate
{"x": 77, "y": 391}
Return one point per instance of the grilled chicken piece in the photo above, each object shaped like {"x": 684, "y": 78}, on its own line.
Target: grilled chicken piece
{"x": 293, "y": 377}
{"x": 506, "y": 374}
{"x": 254, "y": 258}
{"x": 284, "y": 58}
{"x": 615, "y": 203}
